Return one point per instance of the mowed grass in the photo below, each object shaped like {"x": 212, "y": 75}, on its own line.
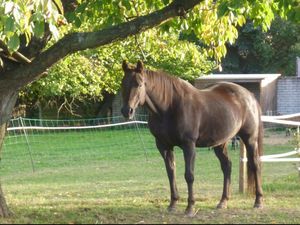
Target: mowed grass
{"x": 118, "y": 176}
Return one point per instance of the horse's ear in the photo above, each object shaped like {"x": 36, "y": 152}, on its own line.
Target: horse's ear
{"x": 139, "y": 66}
{"x": 125, "y": 65}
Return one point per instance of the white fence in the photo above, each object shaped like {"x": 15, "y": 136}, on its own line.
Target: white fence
{"x": 283, "y": 120}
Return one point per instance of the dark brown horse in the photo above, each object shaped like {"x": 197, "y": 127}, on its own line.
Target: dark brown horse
{"x": 181, "y": 115}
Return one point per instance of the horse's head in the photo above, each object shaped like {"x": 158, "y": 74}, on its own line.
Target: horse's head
{"x": 133, "y": 88}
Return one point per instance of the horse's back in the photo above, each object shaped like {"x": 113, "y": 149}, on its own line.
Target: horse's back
{"x": 226, "y": 109}
{"x": 234, "y": 94}
{"x": 230, "y": 89}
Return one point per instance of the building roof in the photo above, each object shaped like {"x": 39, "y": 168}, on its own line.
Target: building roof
{"x": 240, "y": 78}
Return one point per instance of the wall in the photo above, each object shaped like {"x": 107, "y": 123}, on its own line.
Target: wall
{"x": 288, "y": 95}
{"x": 268, "y": 99}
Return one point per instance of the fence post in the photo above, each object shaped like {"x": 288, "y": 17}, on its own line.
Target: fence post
{"x": 298, "y": 133}
{"x": 27, "y": 142}
{"x": 243, "y": 168}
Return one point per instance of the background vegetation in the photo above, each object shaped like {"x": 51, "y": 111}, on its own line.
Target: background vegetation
{"x": 199, "y": 43}
{"x": 274, "y": 51}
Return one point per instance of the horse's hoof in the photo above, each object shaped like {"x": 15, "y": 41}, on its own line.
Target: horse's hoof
{"x": 189, "y": 213}
{"x": 222, "y": 205}
{"x": 258, "y": 206}
{"x": 171, "y": 209}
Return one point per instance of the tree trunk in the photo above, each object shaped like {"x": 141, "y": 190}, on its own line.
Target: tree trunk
{"x": 7, "y": 102}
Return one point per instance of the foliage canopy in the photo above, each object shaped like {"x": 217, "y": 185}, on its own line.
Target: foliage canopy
{"x": 90, "y": 73}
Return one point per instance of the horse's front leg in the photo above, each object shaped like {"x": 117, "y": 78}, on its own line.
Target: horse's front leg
{"x": 189, "y": 158}
{"x": 169, "y": 159}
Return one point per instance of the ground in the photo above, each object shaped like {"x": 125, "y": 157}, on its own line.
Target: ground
{"x": 277, "y": 138}
{"x": 88, "y": 177}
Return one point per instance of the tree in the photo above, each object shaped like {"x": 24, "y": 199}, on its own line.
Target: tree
{"x": 85, "y": 78}
{"x": 27, "y": 26}
{"x": 274, "y": 51}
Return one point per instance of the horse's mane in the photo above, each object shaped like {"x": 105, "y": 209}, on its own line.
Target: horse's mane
{"x": 166, "y": 85}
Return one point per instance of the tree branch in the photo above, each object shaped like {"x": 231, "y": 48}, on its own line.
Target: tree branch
{"x": 81, "y": 41}
{"x": 17, "y": 56}
{"x": 36, "y": 45}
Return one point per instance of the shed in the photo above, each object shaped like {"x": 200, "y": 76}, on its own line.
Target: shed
{"x": 263, "y": 86}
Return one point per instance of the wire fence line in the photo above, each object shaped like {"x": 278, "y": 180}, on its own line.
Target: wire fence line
{"x": 34, "y": 144}
{"x": 110, "y": 146}
{"x": 110, "y": 150}
{"x": 82, "y": 139}
{"x": 85, "y": 134}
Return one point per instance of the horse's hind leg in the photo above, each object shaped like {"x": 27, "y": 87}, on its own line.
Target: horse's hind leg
{"x": 221, "y": 153}
{"x": 254, "y": 169}
{"x": 169, "y": 159}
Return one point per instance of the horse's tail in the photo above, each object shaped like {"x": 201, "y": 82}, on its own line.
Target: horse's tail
{"x": 260, "y": 138}
{"x": 257, "y": 153}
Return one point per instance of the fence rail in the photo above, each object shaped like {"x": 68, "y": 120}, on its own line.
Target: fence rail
{"x": 283, "y": 119}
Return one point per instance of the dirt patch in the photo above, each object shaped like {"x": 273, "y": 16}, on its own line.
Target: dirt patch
{"x": 277, "y": 139}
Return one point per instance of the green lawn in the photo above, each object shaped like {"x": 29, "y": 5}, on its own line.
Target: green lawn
{"x": 118, "y": 176}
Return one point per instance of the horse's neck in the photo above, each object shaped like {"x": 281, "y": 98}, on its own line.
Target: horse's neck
{"x": 159, "y": 98}
{"x": 153, "y": 107}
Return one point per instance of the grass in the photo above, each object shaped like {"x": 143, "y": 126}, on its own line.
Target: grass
{"x": 107, "y": 177}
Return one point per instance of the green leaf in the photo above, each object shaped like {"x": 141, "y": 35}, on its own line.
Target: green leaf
{"x": 126, "y": 3}
{"x": 9, "y": 25}
{"x": 222, "y": 9}
{"x": 77, "y": 22}
{"x": 13, "y": 43}
{"x": 70, "y": 17}
{"x": 166, "y": 2}
{"x": 39, "y": 28}
{"x": 241, "y": 20}
{"x": 82, "y": 7}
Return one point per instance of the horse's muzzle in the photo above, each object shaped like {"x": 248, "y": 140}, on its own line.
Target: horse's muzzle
{"x": 127, "y": 112}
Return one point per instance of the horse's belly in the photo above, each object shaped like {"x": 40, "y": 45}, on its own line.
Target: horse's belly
{"x": 215, "y": 137}
{"x": 210, "y": 143}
